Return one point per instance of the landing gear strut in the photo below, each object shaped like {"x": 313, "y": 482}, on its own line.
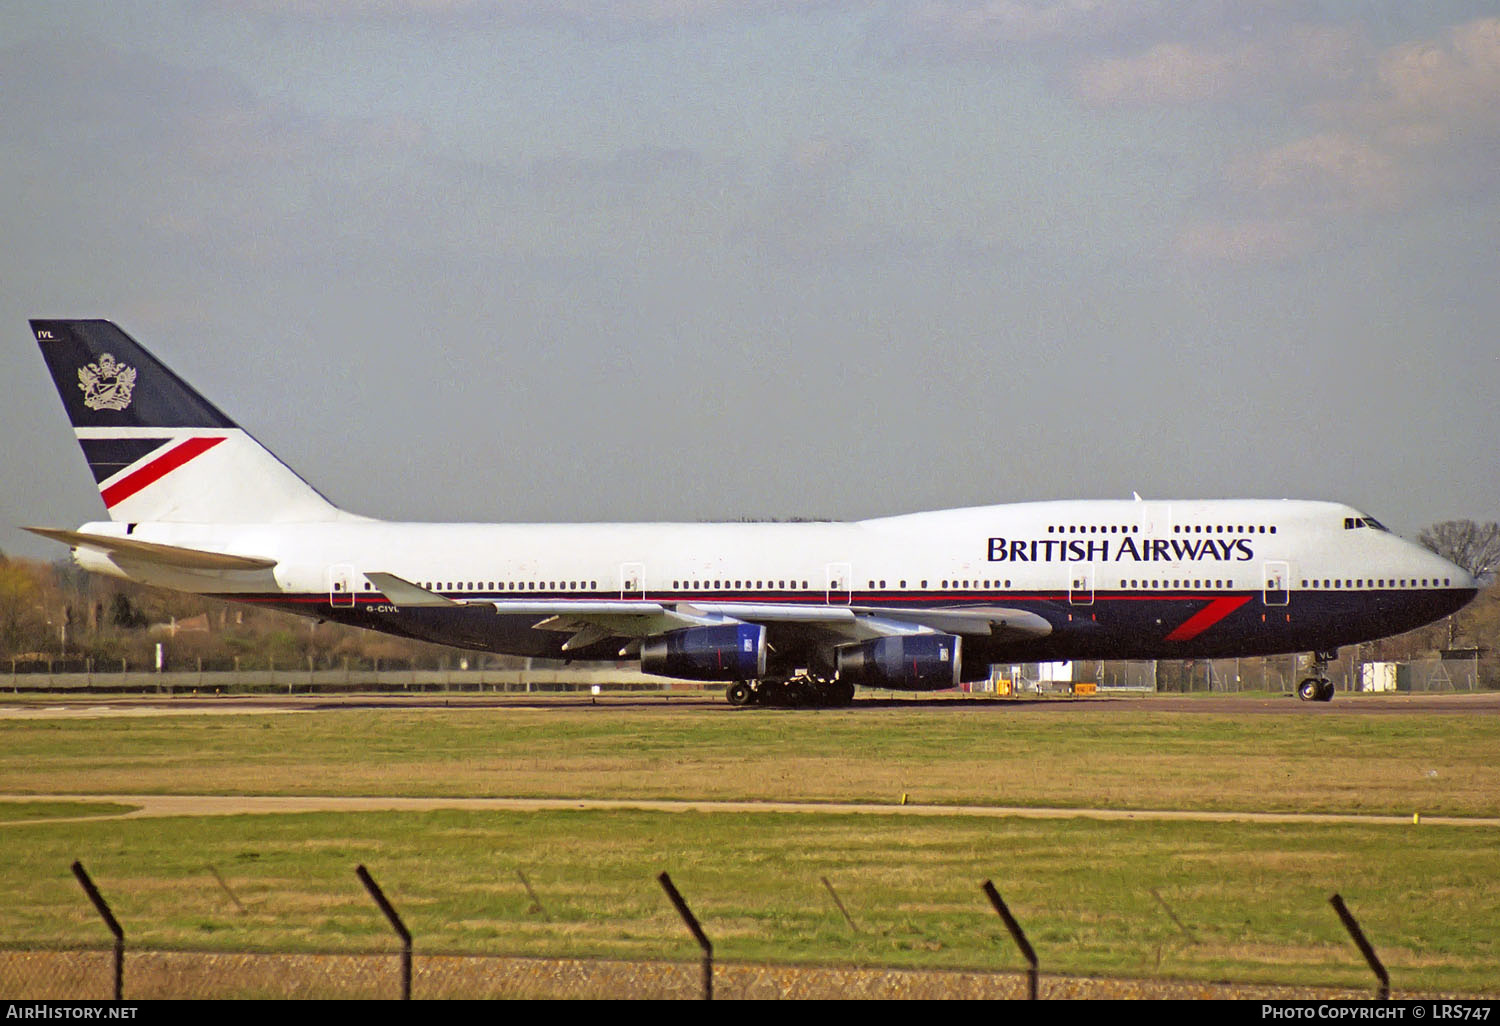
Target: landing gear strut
{"x": 801, "y": 692}
{"x": 1317, "y": 688}
{"x": 740, "y": 693}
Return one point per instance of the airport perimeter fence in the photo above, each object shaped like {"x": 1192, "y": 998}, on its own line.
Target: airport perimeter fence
{"x": 124, "y": 974}
{"x": 1470, "y": 672}
{"x": 264, "y": 675}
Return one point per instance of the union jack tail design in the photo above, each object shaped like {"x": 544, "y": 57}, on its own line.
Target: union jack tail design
{"x": 159, "y": 451}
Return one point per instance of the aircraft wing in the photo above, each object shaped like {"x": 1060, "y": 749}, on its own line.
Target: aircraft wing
{"x": 591, "y": 620}
{"x": 174, "y": 556}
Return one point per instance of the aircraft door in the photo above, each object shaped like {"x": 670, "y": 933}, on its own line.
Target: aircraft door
{"x": 840, "y": 584}
{"x": 1277, "y": 590}
{"x": 632, "y": 580}
{"x": 1081, "y": 584}
{"x": 341, "y": 585}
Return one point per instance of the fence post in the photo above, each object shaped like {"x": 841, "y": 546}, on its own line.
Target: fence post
{"x": 109, "y": 921}
{"x": 842, "y": 910}
{"x": 396, "y": 924}
{"x": 1384, "y": 991}
{"x": 696, "y": 930}
{"x": 536, "y": 902}
{"x": 1017, "y": 935}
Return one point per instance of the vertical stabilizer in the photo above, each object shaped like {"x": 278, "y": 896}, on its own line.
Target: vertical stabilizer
{"x": 158, "y": 449}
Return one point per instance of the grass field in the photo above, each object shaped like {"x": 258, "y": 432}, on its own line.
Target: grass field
{"x": 1250, "y": 899}
{"x": 1085, "y": 754}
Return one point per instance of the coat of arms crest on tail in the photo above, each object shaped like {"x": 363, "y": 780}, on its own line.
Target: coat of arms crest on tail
{"x": 107, "y": 384}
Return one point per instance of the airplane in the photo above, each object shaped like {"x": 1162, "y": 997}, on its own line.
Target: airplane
{"x": 782, "y": 613}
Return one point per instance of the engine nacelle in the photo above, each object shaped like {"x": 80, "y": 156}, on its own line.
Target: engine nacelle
{"x": 731, "y": 651}
{"x": 911, "y": 662}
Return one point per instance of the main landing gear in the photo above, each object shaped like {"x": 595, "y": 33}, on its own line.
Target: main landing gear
{"x": 1317, "y": 688}
{"x": 801, "y": 692}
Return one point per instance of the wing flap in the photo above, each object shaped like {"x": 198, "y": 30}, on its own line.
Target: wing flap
{"x": 589, "y": 621}
{"x": 995, "y": 622}
{"x": 861, "y": 623}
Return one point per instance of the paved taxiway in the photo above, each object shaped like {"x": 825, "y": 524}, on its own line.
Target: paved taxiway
{"x": 155, "y": 806}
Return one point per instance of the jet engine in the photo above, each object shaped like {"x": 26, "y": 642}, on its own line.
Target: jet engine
{"x": 911, "y": 662}
{"x": 731, "y": 651}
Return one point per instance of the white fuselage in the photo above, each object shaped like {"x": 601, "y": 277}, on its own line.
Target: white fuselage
{"x": 1113, "y": 562}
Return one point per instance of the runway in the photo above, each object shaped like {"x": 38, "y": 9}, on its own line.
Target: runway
{"x": 92, "y": 706}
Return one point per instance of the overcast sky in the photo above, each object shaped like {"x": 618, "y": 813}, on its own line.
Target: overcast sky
{"x": 701, "y": 259}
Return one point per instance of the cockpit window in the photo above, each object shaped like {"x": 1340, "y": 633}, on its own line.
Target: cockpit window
{"x": 1372, "y": 522}
{"x": 1354, "y": 523}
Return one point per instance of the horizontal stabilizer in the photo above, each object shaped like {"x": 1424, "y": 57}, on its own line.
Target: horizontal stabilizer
{"x": 154, "y": 552}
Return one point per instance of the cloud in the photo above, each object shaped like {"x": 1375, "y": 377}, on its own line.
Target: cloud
{"x": 1299, "y": 61}
{"x": 1333, "y": 172}
{"x": 976, "y": 27}
{"x": 582, "y": 15}
{"x": 1431, "y": 92}
{"x": 1386, "y": 130}
{"x": 1168, "y": 73}
{"x": 635, "y": 167}
{"x": 79, "y": 97}
{"x": 1243, "y": 240}
{"x": 805, "y": 213}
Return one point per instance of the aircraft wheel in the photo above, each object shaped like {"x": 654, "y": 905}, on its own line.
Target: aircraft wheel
{"x": 1325, "y": 691}
{"x": 795, "y": 695}
{"x": 740, "y": 694}
{"x": 1309, "y": 690}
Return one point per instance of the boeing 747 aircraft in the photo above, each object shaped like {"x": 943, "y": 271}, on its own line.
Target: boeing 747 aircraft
{"x": 783, "y": 613}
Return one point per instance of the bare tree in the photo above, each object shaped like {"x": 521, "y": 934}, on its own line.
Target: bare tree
{"x": 1473, "y": 546}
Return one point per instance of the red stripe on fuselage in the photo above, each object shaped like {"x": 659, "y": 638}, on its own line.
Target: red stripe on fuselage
{"x": 1207, "y": 617}
{"x": 157, "y": 469}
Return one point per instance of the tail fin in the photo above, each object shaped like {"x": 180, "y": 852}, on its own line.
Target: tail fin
{"x": 158, "y": 449}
